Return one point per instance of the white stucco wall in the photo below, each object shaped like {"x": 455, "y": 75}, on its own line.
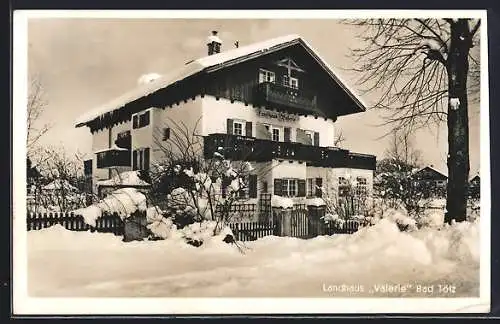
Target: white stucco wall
{"x": 187, "y": 116}
{"x": 216, "y": 113}
{"x": 100, "y": 141}
{"x": 143, "y": 137}
{"x": 353, "y": 173}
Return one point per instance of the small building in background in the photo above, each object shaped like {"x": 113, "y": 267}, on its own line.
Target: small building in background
{"x": 431, "y": 180}
{"x": 475, "y": 187}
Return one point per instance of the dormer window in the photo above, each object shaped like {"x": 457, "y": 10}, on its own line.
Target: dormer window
{"x": 266, "y": 76}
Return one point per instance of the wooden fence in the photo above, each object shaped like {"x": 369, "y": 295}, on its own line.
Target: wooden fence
{"x": 297, "y": 224}
{"x": 251, "y": 231}
{"x": 104, "y": 224}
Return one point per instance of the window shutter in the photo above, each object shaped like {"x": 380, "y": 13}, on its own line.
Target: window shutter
{"x": 166, "y": 133}
{"x": 146, "y": 158}
{"x": 319, "y": 184}
{"x": 264, "y": 187}
{"x": 277, "y": 187}
{"x": 301, "y": 188}
{"x": 286, "y": 134}
{"x": 146, "y": 118}
{"x": 252, "y": 186}
{"x": 135, "y": 122}
{"x": 316, "y": 139}
{"x": 134, "y": 160}
{"x": 229, "y": 126}
{"x": 248, "y": 129}
{"x": 140, "y": 164}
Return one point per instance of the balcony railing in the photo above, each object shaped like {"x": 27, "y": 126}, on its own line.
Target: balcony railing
{"x": 113, "y": 158}
{"x": 235, "y": 147}
{"x": 269, "y": 92}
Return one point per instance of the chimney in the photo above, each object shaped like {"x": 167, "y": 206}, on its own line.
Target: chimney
{"x": 214, "y": 43}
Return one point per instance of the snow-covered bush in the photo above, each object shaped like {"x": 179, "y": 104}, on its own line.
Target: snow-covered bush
{"x": 345, "y": 202}
{"x": 59, "y": 186}
{"x": 198, "y": 190}
{"x": 122, "y": 202}
{"x": 396, "y": 185}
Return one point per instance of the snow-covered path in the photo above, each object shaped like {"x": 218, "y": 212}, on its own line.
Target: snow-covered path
{"x": 65, "y": 263}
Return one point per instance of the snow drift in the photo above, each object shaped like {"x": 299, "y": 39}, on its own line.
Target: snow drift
{"x": 271, "y": 266}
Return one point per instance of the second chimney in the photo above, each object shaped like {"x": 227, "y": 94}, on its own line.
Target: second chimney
{"x": 214, "y": 43}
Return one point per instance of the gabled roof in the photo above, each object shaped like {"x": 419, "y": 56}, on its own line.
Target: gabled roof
{"x": 214, "y": 62}
{"x": 433, "y": 169}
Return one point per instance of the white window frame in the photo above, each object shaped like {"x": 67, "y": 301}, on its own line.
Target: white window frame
{"x": 285, "y": 187}
{"x": 361, "y": 186}
{"x": 280, "y": 133}
{"x": 266, "y": 76}
{"x": 291, "y": 80}
{"x": 310, "y": 133}
{"x": 310, "y": 187}
{"x": 242, "y": 123}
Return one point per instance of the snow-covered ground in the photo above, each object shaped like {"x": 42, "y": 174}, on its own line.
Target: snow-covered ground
{"x": 377, "y": 258}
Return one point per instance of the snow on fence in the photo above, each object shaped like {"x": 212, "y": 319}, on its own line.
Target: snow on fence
{"x": 300, "y": 228}
{"x": 104, "y": 224}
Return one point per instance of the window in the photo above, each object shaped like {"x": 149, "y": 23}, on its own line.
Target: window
{"x": 266, "y": 76}
{"x": 294, "y": 83}
{"x": 285, "y": 81}
{"x": 289, "y": 187}
{"x": 140, "y": 159}
{"x": 276, "y": 134}
{"x": 141, "y": 120}
{"x": 135, "y": 122}
{"x": 310, "y": 187}
{"x": 264, "y": 186}
{"x": 343, "y": 187}
{"x": 166, "y": 133}
{"x": 312, "y": 137}
{"x": 237, "y": 128}
{"x": 361, "y": 186}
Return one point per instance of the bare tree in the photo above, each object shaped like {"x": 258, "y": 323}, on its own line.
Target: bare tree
{"x": 209, "y": 185}
{"x": 401, "y": 149}
{"x": 339, "y": 139}
{"x": 419, "y": 69}
{"x": 37, "y": 103}
{"x": 62, "y": 179}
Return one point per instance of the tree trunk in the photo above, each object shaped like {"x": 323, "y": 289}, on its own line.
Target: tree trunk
{"x": 458, "y": 122}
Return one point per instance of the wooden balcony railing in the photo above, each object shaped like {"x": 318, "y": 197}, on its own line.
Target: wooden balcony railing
{"x": 235, "y": 147}
{"x": 113, "y": 158}
{"x": 297, "y": 99}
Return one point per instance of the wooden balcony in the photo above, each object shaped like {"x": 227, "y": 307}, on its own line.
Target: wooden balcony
{"x": 296, "y": 100}
{"x": 113, "y": 158}
{"x": 235, "y": 147}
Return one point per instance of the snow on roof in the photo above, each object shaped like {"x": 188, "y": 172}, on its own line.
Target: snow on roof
{"x": 127, "y": 178}
{"x": 434, "y": 169}
{"x": 148, "y": 77}
{"x": 209, "y": 61}
{"x": 60, "y": 184}
{"x": 112, "y": 148}
{"x": 213, "y": 38}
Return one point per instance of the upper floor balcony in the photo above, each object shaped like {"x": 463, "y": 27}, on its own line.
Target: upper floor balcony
{"x": 276, "y": 94}
{"x": 113, "y": 157}
{"x": 235, "y": 147}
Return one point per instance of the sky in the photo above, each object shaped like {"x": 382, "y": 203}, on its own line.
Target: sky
{"x": 83, "y": 63}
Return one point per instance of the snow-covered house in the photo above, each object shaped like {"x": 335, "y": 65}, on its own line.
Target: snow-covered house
{"x": 475, "y": 186}
{"x": 431, "y": 178}
{"x": 273, "y": 103}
